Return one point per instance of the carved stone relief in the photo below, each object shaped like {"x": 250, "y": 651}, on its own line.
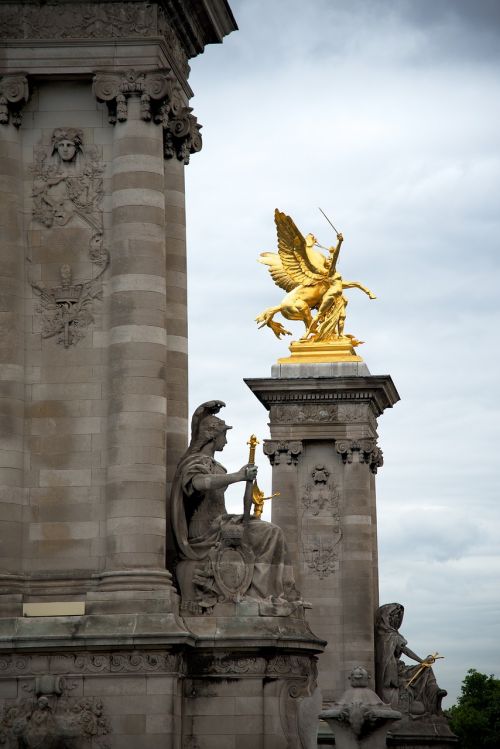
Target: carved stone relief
{"x": 90, "y": 663}
{"x": 50, "y": 717}
{"x": 321, "y": 529}
{"x": 68, "y": 189}
{"x": 303, "y": 414}
{"x": 364, "y": 450}
{"x": 299, "y": 703}
{"x": 322, "y": 492}
{"x": 227, "y": 663}
{"x": 282, "y": 451}
{"x": 14, "y": 93}
{"x": 67, "y": 181}
{"x": 320, "y": 553}
{"x": 161, "y": 102}
{"x": 226, "y": 574}
{"x": 93, "y": 20}
{"x": 182, "y": 136}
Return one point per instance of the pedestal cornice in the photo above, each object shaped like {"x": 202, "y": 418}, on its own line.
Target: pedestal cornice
{"x": 378, "y": 390}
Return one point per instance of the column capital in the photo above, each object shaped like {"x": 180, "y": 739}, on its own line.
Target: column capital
{"x": 162, "y": 103}
{"x": 279, "y": 451}
{"x": 14, "y": 93}
{"x": 366, "y": 451}
{"x": 156, "y": 90}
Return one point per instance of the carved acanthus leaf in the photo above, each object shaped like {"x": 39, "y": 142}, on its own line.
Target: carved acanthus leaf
{"x": 14, "y": 93}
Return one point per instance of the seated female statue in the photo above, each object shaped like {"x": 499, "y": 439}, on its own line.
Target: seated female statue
{"x": 222, "y": 556}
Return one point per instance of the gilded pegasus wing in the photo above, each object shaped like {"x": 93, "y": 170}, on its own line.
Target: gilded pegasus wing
{"x": 305, "y": 267}
{"x": 278, "y": 274}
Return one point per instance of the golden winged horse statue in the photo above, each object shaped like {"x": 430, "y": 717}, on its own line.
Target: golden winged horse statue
{"x": 312, "y": 283}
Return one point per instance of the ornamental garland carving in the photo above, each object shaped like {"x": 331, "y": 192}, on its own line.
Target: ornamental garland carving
{"x": 68, "y": 189}
{"x": 49, "y": 716}
{"x": 161, "y": 102}
{"x": 304, "y": 414}
{"x": 276, "y": 667}
{"x": 14, "y": 93}
{"x": 364, "y": 450}
{"x": 282, "y": 451}
{"x": 91, "y": 20}
{"x": 91, "y": 663}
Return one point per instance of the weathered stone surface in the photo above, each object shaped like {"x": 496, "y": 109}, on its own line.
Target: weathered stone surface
{"x": 324, "y": 455}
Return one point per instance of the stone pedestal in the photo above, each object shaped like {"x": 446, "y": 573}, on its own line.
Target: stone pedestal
{"x": 324, "y": 453}
{"x": 95, "y": 133}
{"x": 251, "y": 681}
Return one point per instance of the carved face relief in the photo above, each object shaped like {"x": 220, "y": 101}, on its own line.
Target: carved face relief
{"x": 66, "y": 150}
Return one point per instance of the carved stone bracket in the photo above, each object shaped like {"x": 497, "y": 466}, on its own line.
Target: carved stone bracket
{"x": 161, "y": 102}
{"x": 14, "y": 93}
{"x": 279, "y": 451}
{"x": 366, "y": 451}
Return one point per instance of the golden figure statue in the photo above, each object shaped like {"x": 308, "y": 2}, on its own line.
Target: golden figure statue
{"x": 313, "y": 283}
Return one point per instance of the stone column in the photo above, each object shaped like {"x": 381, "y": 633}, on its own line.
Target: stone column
{"x": 176, "y": 374}
{"x": 135, "y": 525}
{"x": 13, "y": 93}
{"x": 324, "y": 455}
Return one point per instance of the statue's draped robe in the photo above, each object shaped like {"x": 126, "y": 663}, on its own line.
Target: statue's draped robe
{"x": 199, "y": 517}
{"x": 392, "y": 674}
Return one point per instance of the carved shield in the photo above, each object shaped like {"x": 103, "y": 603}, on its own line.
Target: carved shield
{"x": 233, "y": 570}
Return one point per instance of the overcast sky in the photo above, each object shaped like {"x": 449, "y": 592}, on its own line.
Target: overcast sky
{"x": 386, "y": 114}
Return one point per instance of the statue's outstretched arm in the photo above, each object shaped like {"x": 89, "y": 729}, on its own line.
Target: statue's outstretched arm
{"x": 411, "y": 654}
{"x": 358, "y": 285}
{"x": 202, "y": 482}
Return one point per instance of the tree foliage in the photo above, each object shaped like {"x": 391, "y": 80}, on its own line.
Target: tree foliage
{"x": 476, "y": 717}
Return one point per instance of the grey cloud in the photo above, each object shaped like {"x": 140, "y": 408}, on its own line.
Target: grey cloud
{"x": 386, "y": 116}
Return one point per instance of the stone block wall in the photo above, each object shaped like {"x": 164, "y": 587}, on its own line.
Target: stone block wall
{"x": 95, "y": 322}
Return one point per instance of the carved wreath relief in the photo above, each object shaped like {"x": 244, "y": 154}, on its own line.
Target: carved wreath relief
{"x": 321, "y": 498}
{"x": 68, "y": 188}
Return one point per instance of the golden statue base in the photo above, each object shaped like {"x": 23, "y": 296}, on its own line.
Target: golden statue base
{"x": 318, "y": 352}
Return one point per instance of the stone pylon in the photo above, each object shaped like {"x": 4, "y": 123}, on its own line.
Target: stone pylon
{"x": 324, "y": 453}
{"x": 95, "y": 133}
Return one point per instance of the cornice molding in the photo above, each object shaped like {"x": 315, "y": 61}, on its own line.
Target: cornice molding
{"x": 378, "y": 390}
